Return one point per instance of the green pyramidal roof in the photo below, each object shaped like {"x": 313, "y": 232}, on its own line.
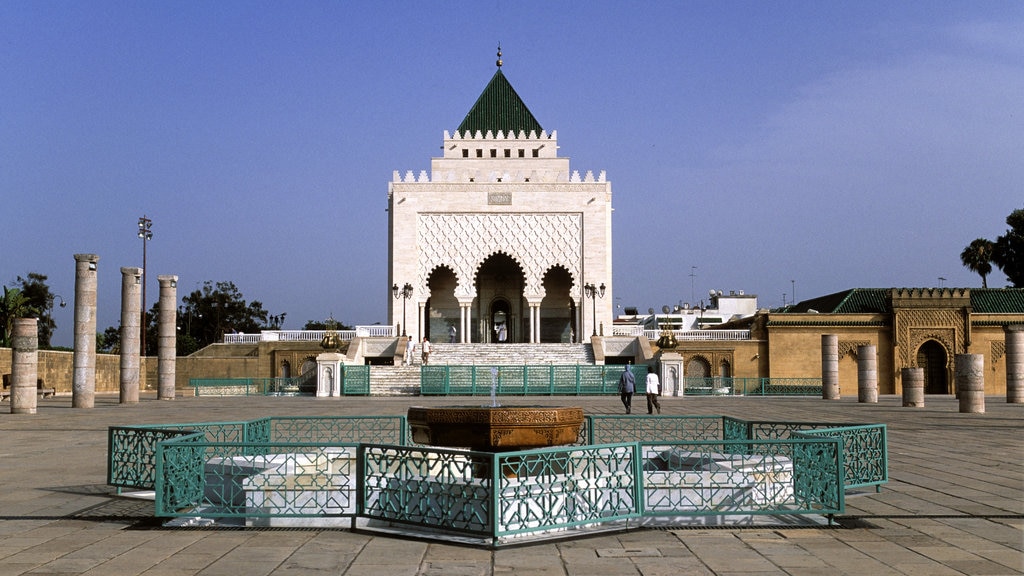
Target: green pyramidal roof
{"x": 499, "y": 108}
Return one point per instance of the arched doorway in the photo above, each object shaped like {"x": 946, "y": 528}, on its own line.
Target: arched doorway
{"x": 932, "y": 357}
{"x": 499, "y": 289}
{"x": 442, "y": 309}
{"x": 698, "y": 374}
{"x": 500, "y": 316}
{"x": 557, "y": 309}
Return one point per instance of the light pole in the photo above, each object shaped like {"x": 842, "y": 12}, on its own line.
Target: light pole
{"x": 405, "y": 293}
{"x": 145, "y": 234}
{"x": 593, "y": 292}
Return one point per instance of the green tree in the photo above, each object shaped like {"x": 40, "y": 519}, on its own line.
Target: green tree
{"x": 213, "y": 310}
{"x": 1008, "y": 249}
{"x": 38, "y": 293}
{"x": 977, "y": 257}
{"x": 13, "y": 305}
{"x": 322, "y": 325}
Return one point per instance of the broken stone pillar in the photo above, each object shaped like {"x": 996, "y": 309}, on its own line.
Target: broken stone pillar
{"x": 867, "y": 374}
{"x": 131, "y": 311}
{"x": 830, "y": 367}
{"x": 969, "y": 375}
{"x": 167, "y": 333}
{"x": 1015, "y": 364}
{"x": 83, "y": 377}
{"x": 24, "y": 365}
{"x": 913, "y": 387}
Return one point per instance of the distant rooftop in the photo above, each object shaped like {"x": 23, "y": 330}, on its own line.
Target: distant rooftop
{"x": 876, "y": 301}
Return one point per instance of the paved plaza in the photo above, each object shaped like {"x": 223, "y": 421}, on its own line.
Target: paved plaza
{"x": 954, "y": 503}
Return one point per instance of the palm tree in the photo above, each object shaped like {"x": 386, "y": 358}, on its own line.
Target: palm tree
{"x": 13, "y": 305}
{"x": 977, "y": 257}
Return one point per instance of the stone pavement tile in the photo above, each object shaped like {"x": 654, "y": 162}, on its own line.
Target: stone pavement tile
{"x": 443, "y": 559}
{"x": 381, "y": 569}
{"x": 391, "y": 552}
{"x": 670, "y": 566}
{"x": 723, "y": 551}
{"x": 537, "y": 560}
{"x": 787, "y": 555}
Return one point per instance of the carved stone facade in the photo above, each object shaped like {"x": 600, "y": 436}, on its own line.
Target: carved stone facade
{"x": 910, "y": 327}
{"x": 500, "y": 238}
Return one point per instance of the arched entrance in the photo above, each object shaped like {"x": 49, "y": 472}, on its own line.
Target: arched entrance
{"x": 499, "y": 290}
{"x": 698, "y": 373}
{"x": 442, "y": 309}
{"x": 501, "y": 329}
{"x": 557, "y": 309}
{"x": 932, "y": 357}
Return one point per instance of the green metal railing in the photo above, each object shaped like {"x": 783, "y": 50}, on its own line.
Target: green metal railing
{"x": 524, "y": 380}
{"x": 727, "y": 386}
{"x": 625, "y": 467}
{"x": 353, "y": 381}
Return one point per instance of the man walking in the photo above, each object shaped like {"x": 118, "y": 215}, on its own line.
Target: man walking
{"x": 653, "y": 387}
{"x": 627, "y": 385}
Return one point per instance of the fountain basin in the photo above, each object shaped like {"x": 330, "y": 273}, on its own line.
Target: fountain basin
{"x": 495, "y": 428}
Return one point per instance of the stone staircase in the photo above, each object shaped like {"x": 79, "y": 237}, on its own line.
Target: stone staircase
{"x": 395, "y": 380}
{"x": 510, "y": 354}
{"x": 401, "y": 380}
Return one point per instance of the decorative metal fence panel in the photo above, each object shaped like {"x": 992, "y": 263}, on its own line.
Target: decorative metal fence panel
{"x": 865, "y": 452}
{"x": 430, "y": 487}
{"x": 728, "y": 386}
{"x": 355, "y": 380}
{"x": 347, "y": 429}
{"x": 552, "y": 489}
{"x": 609, "y": 429}
{"x": 740, "y": 478}
{"x": 268, "y": 470}
{"x": 131, "y": 453}
{"x": 255, "y": 482}
{"x": 865, "y": 447}
{"x": 520, "y": 380}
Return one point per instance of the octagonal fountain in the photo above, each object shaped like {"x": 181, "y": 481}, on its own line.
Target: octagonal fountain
{"x": 495, "y": 428}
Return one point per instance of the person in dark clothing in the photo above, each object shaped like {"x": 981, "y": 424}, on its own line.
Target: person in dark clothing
{"x": 627, "y": 385}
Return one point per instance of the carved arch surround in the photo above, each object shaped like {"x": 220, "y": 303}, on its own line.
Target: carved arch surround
{"x": 462, "y": 242}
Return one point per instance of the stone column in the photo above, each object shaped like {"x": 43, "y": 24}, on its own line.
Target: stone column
{"x": 167, "y": 333}
{"x": 83, "y": 378}
{"x": 1015, "y": 364}
{"x": 131, "y": 306}
{"x": 969, "y": 370}
{"x": 913, "y": 387}
{"x": 24, "y": 365}
{"x": 830, "y": 367}
{"x": 867, "y": 374}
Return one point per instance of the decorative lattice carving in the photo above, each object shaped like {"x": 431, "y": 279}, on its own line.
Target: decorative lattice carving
{"x": 998, "y": 350}
{"x": 917, "y": 326}
{"x": 537, "y": 242}
{"x": 849, "y": 348}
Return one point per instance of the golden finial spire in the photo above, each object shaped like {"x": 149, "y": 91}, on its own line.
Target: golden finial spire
{"x": 499, "y": 55}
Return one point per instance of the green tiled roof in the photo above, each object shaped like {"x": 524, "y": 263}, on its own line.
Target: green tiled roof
{"x": 876, "y": 300}
{"x": 499, "y": 108}
{"x": 854, "y": 301}
{"x": 997, "y": 300}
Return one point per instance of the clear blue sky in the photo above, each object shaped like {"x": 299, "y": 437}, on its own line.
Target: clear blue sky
{"x": 837, "y": 145}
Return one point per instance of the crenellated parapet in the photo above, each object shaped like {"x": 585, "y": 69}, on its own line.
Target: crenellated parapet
{"x": 497, "y": 176}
